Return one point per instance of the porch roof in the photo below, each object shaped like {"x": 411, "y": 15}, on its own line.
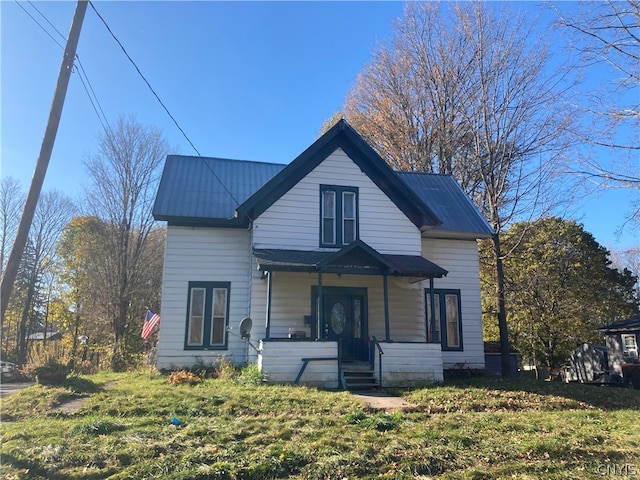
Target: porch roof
{"x": 357, "y": 258}
{"x": 629, "y": 325}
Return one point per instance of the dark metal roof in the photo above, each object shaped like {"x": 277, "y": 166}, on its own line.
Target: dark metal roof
{"x": 448, "y": 201}
{"x": 342, "y": 135}
{"x": 189, "y": 192}
{"x": 222, "y": 192}
{"x": 629, "y": 325}
{"x": 357, "y": 258}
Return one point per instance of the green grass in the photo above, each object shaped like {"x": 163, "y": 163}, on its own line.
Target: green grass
{"x": 473, "y": 429}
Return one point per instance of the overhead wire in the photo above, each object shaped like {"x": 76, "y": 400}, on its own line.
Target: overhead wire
{"x": 86, "y": 83}
{"x": 93, "y": 98}
{"x": 163, "y": 105}
{"x": 41, "y": 26}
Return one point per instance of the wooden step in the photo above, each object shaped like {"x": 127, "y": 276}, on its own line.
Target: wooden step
{"x": 359, "y": 376}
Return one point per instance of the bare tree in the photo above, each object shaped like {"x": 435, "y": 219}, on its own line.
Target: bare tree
{"x": 11, "y": 200}
{"x": 52, "y": 213}
{"x": 123, "y": 177}
{"x": 606, "y": 35}
{"x": 465, "y": 90}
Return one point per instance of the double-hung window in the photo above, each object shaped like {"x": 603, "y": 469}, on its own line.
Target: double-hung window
{"x": 629, "y": 346}
{"x": 444, "y": 324}
{"x": 338, "y": 215}
{"x": 207, "y": 315}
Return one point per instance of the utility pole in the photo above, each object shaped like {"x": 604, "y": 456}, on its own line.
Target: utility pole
{"x": 9, "y": 275}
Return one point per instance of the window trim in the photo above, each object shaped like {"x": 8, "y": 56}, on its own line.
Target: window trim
{"x": 442, "y": 294}
{"x": 338, "y": 215}
{"x": 208, "y": 315}
{"x": 629, "y": 353}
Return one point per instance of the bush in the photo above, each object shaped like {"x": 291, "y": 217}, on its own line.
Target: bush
{"x": 251, "y": 375}
{"x": 183, "y": 377}
{"x": 46, "y": 370}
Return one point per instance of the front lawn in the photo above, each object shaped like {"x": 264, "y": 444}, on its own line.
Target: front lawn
{"x": 141, "y": 427}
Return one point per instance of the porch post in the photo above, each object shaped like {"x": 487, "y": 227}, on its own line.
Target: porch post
{"x": 268, "y": 322}
{"x": 319, "y": 300}
{"x": 433, "y": 314}
{"x": 385, "y": 285}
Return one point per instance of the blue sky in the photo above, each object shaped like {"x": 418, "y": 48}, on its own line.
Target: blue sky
{"x": 246, "y": 80}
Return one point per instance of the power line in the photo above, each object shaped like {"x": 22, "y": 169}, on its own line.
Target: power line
{"x": 47, "y": 20}
{"x": 40, "y": 25}
{"x": 143, "y": 77}
{"x": 91, "y": 100}
{"x": 162, "y": 103}
{"x": 94, "y": 95}
{"x": 85, "y": 81}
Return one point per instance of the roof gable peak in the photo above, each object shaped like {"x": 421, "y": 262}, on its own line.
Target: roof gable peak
{"x": 343, "y": 136}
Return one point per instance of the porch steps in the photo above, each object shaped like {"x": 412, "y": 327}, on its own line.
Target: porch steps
{"x": 359, "y": 376}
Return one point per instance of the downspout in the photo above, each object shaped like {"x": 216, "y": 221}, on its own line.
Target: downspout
{"x": 267, "y": 330}
{"x": 320, "y": 309}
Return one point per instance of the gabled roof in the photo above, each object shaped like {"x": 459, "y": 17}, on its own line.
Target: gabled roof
{"x": 192, "y": 189}
{"x": 343, "y": 136}
{"x": 356, "y": 258}
{"x": 449, "y": 202}
{"x": 629, "y": 325}
{"x": 204, "y": 191}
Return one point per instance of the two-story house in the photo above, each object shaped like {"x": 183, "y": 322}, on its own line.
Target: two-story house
{"x": 342, "y": 265}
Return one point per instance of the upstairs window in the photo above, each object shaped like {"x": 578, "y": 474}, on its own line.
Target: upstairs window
{"x": 338, "y": 215}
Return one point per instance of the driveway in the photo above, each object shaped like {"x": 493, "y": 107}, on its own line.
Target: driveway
{"x": 7, "y": 388}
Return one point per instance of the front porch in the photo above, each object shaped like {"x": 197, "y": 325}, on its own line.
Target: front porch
{"x": 346, "y": 300}
{"x": 319, "y": 363}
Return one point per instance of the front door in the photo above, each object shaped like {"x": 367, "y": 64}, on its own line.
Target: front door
{"x": 343, "y": 321}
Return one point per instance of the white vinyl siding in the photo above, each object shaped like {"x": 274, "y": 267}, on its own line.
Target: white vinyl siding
{"x": 407, "y": 364}
{"x": 291, "y": 302}
{"x": 194, "y": 254}
{"x": 460, "y": 259}
{"x": 281, "y": 362}
{"x": 293, "y": 221}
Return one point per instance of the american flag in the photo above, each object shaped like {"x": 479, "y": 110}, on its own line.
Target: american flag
{"x": 150, "y": 323}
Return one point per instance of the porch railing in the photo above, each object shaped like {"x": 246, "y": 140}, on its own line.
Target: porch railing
{"x": 376, "y": 345}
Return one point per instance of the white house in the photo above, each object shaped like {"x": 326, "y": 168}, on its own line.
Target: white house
{"x": 351, "y": 273}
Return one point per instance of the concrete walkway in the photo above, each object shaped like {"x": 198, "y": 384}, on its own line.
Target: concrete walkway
{"x": 378, "y": 400}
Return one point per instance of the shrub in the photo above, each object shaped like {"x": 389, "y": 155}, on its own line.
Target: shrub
{"x": 46, "y": 370}
{"x": 183, "y": 377}
{"x": 224, "y": 369}
{"x": 251, "y": 375}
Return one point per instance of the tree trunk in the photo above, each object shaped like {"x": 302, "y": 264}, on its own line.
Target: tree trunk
{"x": 502, "y": 310}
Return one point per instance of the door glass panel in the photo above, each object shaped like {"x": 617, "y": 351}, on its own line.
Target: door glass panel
{"x": 338, "y": 318}
{"x": 357, "y": 318}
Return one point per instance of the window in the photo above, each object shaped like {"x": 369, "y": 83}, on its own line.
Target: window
{"x": 338, "y": 215}
{"x": 446, "y": 325}
{"x": 629, "y": 346}
{"x": 207, "y": 315}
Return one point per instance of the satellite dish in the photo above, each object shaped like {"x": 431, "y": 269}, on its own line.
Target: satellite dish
{"x": 245, "y": 328}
